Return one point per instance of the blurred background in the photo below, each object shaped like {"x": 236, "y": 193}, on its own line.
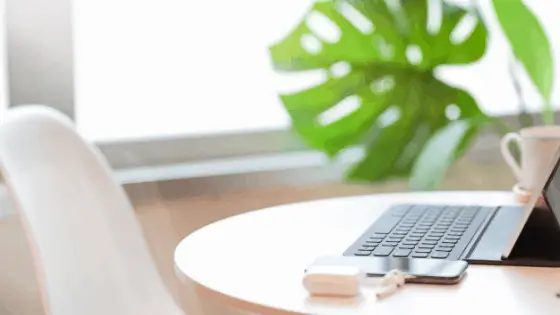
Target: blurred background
{"x": 182, "y": 97}
{"x": 181, "y": 84}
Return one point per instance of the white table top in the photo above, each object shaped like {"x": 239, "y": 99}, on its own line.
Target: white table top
{"x": 255, "y": 261}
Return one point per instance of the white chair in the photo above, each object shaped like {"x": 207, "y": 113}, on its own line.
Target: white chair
{"x": 89, "y": 251}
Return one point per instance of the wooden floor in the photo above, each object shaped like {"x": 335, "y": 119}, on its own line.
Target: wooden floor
{"x": 166, "y": 221}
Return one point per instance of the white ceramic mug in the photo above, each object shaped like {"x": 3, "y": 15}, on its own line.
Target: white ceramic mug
{"x": 538, "y": 146}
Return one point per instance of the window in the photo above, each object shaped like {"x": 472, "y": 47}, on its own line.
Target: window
{"x": 489, "y": 81}
{"x": 178, "y": 81}
{"x": 161, "y": 68}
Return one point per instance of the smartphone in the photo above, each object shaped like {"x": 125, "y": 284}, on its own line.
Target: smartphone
{"x": 428, "y": 271}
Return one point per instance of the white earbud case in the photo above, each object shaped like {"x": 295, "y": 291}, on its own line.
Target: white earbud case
{"x": 341, "y": 281}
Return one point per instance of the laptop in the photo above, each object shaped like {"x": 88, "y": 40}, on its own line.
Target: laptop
{"x": 507, "y": 235}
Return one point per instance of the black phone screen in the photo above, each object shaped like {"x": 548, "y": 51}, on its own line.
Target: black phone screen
{"x": 378, "y": 266}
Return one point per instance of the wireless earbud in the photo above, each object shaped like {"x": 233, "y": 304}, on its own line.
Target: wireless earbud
{"x": 391, "y": 282}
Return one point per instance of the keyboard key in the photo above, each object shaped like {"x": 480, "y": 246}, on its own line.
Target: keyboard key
{"x": 395, "y": 237}
{"x": 431, "y": 238}
{"x": 438, "y": 254}
{"x": 369, "y": 246}
{"x": 448, "y": 245}
{"x": 362, "y": 253}
{"x": 449, "y": 241}
{"x": 455, "y": 232}
{"x": 410, "y": 242}
{"x": 392, "y": 244}
{"x": 363, "y": 250}
{"x": 419, "y": 255}
{"x": 423, "y": 250}
{"x": 382, "y": 251}
{"x": 399, "y": 233}
{"x": 376, "y": 238}
{"x": 401, "y": 252}
{"x": 451, "y": 237}
{"x": 436, "y": 234}
{"x": 413, "y": 238}
{"x": 429, "y": 242}
{"x": 405, "y": 246}
{"x": 459, "y": 227}
{"x": 426, "y": 246}
{"x": 443, "y": 249}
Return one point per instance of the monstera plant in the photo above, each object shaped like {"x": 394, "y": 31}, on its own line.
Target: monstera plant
{"x": 380, "y": 89}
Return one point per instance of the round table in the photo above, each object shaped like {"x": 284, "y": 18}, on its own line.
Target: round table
{"x": 255, "y": 262}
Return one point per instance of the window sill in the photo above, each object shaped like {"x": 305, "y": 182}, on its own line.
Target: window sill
{"x": 273, "y": 170}
{"x": 218, "y": 176}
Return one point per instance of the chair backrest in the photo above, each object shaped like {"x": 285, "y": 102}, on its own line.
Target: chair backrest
{"x": 88, "y": 247}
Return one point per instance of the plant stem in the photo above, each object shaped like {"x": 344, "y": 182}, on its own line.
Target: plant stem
{"x": 548, "y": 115}
{"x": 525, "y": 120}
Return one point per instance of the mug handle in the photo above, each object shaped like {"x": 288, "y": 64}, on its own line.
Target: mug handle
{"x": 506, "y": 152}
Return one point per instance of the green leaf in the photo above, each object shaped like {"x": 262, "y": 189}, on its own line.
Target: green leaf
{"x": 529, "y": 43}
{"x": 386, "y": 100}
{"x": 441, "y": 151}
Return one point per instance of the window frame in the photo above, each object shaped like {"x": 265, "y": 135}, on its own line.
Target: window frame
{"x": 191, "y": 149}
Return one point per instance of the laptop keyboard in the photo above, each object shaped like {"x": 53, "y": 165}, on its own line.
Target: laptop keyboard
{"x": 421, "y": 231}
